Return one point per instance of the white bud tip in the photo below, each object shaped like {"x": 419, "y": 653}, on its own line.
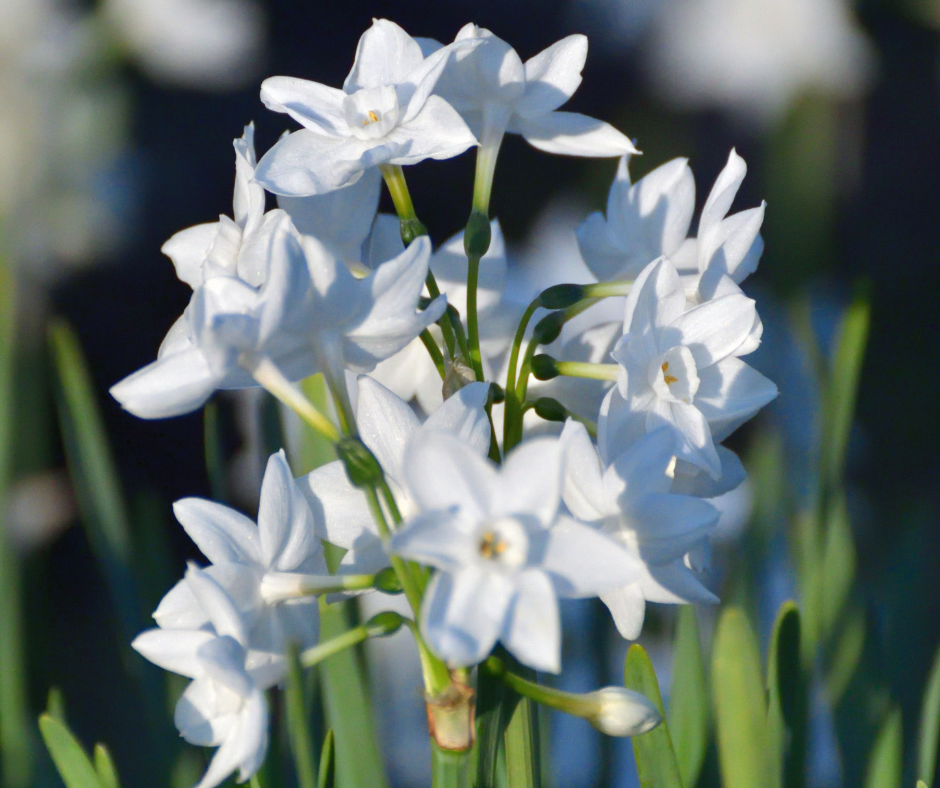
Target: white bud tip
{"x": 623, "y": 712}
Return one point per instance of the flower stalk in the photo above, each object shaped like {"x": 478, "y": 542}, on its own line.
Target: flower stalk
{"x": 380, "y": 625}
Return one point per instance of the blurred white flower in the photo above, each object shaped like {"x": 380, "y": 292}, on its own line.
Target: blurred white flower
{"x": 754, "y": 57}
{"x": 207, "y": 44}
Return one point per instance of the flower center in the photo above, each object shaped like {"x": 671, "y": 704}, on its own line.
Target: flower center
{"x": 371, "y": 113}
{"x": 674, "y": 376}
{"x": 503, "y": 541}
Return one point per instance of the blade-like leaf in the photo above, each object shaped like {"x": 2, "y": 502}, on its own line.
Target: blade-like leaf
{"x": 298, "y": 724}
{"x": 929, "y": 733}
{"x": 655, "y": 758}
{"x": 104, "y": 766}
{"x": 886, "y": 759}
{"x": 15, "y": 750}
{"x": 521, "y": 740}
{"x": 307, "y": 448}
{"x": 787, "y": 690}
{"x": 327, "y": 775}
{"x": 838, "y": 565}
{"x": 70, "y": 759}
{"x": 688, "y": 703}
{"x": 348, "y": 709}
{"x": 744, "y": 744}
{"x": 845, "y": 654}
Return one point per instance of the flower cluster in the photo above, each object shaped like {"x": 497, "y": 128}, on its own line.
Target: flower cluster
{"x": 483, "y": 529}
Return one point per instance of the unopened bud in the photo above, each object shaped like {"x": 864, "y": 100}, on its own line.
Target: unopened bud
{"x": 622, "y": 712}
{"x": 548, "y": 328}
{"x": 550, "y": 409}
{"x": 387, "y": 580}
{"x": 362, "y": 468}
{"x": 476, "y": 237}
{"x": 543, "y": 367}
{"x": 561, "y": 296}
{"x": 495, "y": 394}
{"x": 385, "y": 623}
{"x": 411, "y": 229}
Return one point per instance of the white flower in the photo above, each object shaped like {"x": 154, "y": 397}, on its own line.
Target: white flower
{"x": 210, "y": 44}
{"x": 247, "y": 560}
{"x": 309, "y": 314}
{"x": 679, "y": 368}
{"x": 756, "y": 56}
{"x": 386, "y": 425}
{"x": 651, "y": 219}
{"x": 503, "y": 550}
{"x": 623, "y": 712}
{"x": 224, "y": 706}
{"x": 631, "y": 501}
{"x": 385, "y": 114}
{"x": 496, "y": 92}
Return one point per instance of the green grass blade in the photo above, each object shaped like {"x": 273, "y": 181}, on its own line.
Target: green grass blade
{"x": 688, "y": 704}
{"x": 744, "y": 742}
{"x": 846, "y": 654}
{"x": 327, "y": 775}
{"x": 842, "y": 386}
{"x": 298, "y": 727}
{"x": 838, "y": 565}
{"x": 929, "y": 733}
{"x": 15, "y": 749}
{"x": 349, "y": 709}
{"x": 886, "y": 759}
{"x": 787, "y": 690}
{"x": 521, "y": 738}
{"x": 67, "y": 754}
{"x": 104, "y": 766}
{"x": 655, "y": 757}
{"x": 490, "y": 703}
{"x": 921, "y": 784}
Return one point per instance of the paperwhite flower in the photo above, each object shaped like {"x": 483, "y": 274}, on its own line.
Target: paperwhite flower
{"x": 386, "y": 425}
{"x": 496, "y": 92}
{"x": 249, "y": 562}
{"x": 756, "y": 56}
{"x": 651, "y": 219}
{"x": 211, "y": 44}
{"x": 309, "y": 314}
{"x": 503, "y": 550}
{"x": 631, "y": 501}
{"x": 679, "y": 368}
{"x": 224, "y": 706}
{"x": 385, "y": 114}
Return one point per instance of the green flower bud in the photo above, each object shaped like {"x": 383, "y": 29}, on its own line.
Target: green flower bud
{"x": 387, "y": 581}
{"x": 385, "y": 623}
{"x": 411, "y": 229}
{"x": 476, "y": 237}
{"x": 548, "y": 328}
{"x": 496, "y": 394}
{"x": 362, "y": 468}
{"x": 543, "y": 367}
{"x": 550, "y": 409}
{"x": 561, "y": 296}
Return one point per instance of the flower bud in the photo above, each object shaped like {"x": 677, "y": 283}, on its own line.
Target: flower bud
{"x": 495, "y": 394}
{"x": 550, "y": 409}
{"x": 476, "y": 238}
{"x": 411, "y": 229}
{"x": 386, "y": 623}
{"x": 543, "y": 367}
{"x": 361, "y": 466}
{"x": 561, "y": 296}
{"x": 622, "y": 712}
{"x": 548, "y": 328}
{"x": 387, "y": 581}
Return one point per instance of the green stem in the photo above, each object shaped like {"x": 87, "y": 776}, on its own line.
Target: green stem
{"x": 434, "y": 352}
{"x": 473, "y": 326}
{"x": 568, "y": 702}
{"x": 449, "y": 768}
{"x": 305, "y": 763}
{"x": 411, "y": 226}
{"x": 273, "y": 380}
{"x": 436, "y": 674}
{"x": 581, "y": 369}
{"x": 379, "y": 625}
{"x": 513, "y": 406}
{"x": 513, "y": 436}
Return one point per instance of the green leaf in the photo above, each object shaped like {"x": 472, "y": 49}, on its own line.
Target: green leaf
{"x": 688, "y": 705}
{"x": 744, "y": 745}
{"x": 55, "y": 704}
{"x": 70, "y": 759}
{"x": 307, "y": 448}
{"x": 104, "y": 766}
{"x": 490, "y": 727}
{"x": 521, "y": 740}
{"x": 348, "y": 709}
{"x": 298, "y": 727}
{"x": 327, "y": 775}
{"x": 655, "y": 758}
{"x": 845, "y": 654}
{"x": 921, "y": 784}
{"x": 787, "y": 689}
{"x": 886, "y": 759}
{"x": 842, "y": 386}
{"x": 929, "y": 733}
{"x": 838, "y": 565}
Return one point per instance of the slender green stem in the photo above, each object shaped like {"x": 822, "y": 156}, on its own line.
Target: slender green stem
{"x": 298, "y": 728}
{"x": 514, "y": 435}
{"x": 436, "y": 674}
{"x": 434, "y": 352}
{"x": 411, "y": 226}
{"x": 580, "y": 369}
{"x": 473, "y": 326}
{"x": 386, "y": 623}
{"x": 273, "y": 380}
{"x": 462, "y": 343}
{"x": 568, "y": 702}
{"x": 606, "y": 290}
{"x": 449, "y": 768}
{"x": 513, "y": 404}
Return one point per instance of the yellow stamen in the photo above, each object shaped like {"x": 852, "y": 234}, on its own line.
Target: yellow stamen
{"x": 491, "y": 546}
{"x": 373, "y": 118}
{"x": 668, "y": 378}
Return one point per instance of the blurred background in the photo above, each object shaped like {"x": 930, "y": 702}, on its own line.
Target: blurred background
{"x": 116, "y": 122}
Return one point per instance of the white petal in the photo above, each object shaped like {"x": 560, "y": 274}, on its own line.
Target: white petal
{"x": 663, "y": 202}
{"x": 584, "y": 562}
{"x": 602, "y": 253}
{"x": 386, "y": 424}
{"x": 171, "y": 386}
{"x": 341, "y": 219}
{"x": 531, "y": 480}
{"x": 641, "y": 468}
{"x": 173, "y": 650}
{"x": 384, "y": 241}
{"x": 221, "y": 533}
{"x": 386, "y": 54}
{"x": 179, "y": 610}
{"x": 439, "y": 538}
{"x": 314, "y": 106}
{"x": 217, "y": 604}
{"x": 730, "y": 393}
{"x": 196, "y": 715}
{"x": 532, "y": 631}
{"x": 414, "y": 90}
{"x": 721, "y": 196}
{"x": 245, "y": 746}
{"x": 223, "y": 661}
{"x": 584, "y": 493}
{"x": 449, "y": 265}
{"x": 572, "y": 134}
{"x": 436, "y": 132}
{"x": 441, "y": 471}
{"x": 553, "y": 75}
{"x": 731, "y": 244}
{"x": 627, "y": 608}
{"x": 463, "y": 415}
{"x": 463, "y": 613}
{"x": 697, "y": 445}
{"x": 338, "y": 505}
{"x": 285, "y": 522}
{"x": 669, "y": 525}
{"x": 656, "y": 299}
{"x": 188, "y": 249}
{"x": 674, "y": 584}
{"x": 715, "y": 329}
{"x": 690, "y": 480}
{"x": 619, "y": 425}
